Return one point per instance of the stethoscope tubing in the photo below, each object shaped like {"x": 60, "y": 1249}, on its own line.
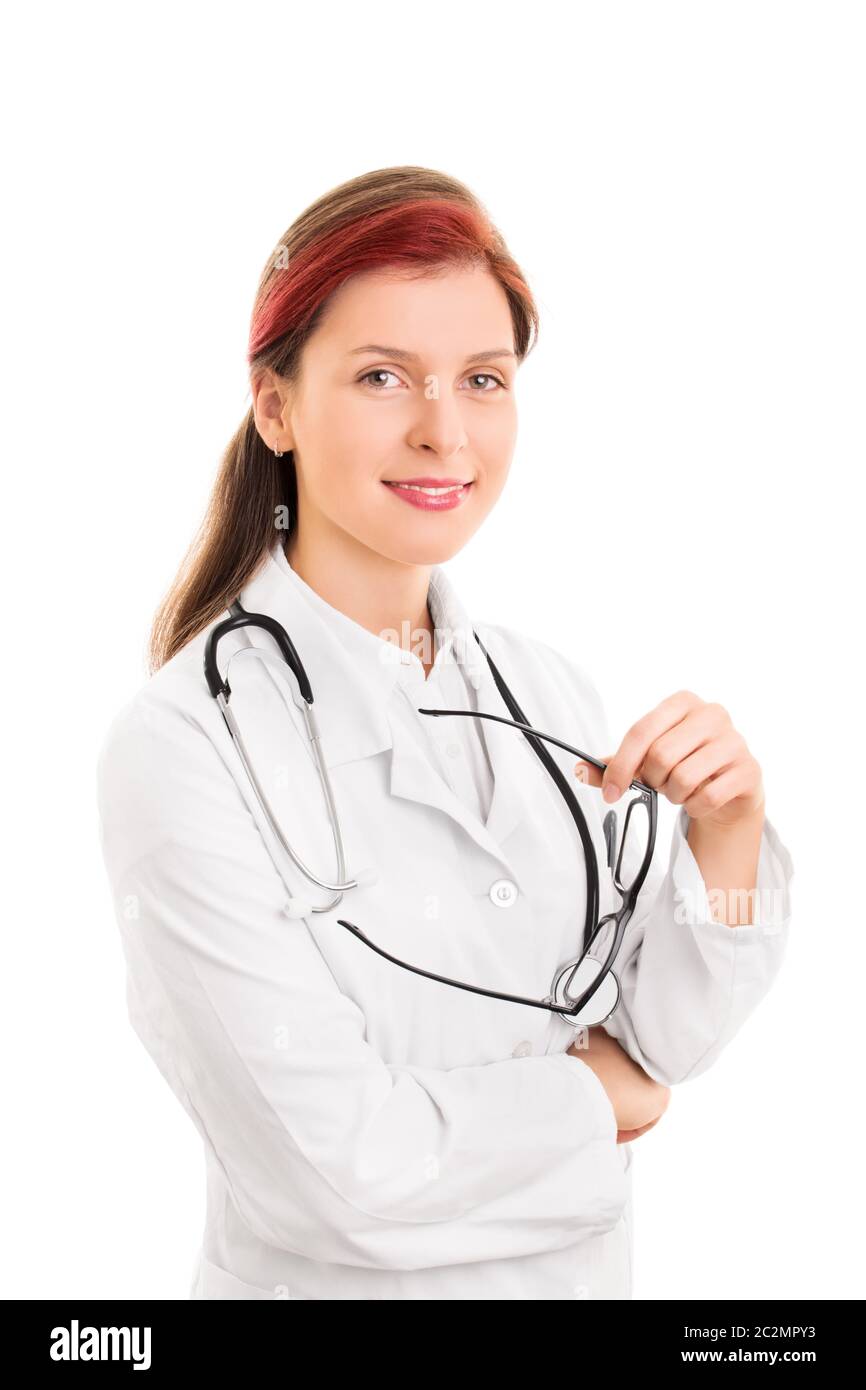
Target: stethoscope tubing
{"x": 221, "y": 691}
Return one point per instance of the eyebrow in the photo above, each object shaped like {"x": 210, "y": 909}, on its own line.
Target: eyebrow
{"x": 402, "y": 355}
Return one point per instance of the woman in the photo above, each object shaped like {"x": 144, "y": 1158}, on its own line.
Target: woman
{"x": 370, "y": 1132}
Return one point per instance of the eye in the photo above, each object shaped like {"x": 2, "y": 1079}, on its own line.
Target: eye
{"x": 378, "y": 371}
{"x": 487, "y": 376}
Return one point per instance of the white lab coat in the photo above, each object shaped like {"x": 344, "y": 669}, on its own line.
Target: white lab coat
{"x": 368, "y": 1133}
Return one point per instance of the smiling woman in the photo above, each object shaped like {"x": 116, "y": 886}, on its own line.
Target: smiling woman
{"x": 371, "y": 1131}
{"x": 357, "y": 418}
{"x": 367, "y": 355}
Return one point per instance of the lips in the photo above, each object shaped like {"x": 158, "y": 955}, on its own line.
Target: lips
{"x": 430, "y": 494}
{"x": 429, "y": 484}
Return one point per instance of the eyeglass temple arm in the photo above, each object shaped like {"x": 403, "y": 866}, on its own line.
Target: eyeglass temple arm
{"x": 550, "y": 738}
{"x": 461, "y": 984}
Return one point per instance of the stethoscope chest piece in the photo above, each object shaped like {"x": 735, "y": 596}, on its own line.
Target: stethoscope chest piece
{"x": 570, "y": 983}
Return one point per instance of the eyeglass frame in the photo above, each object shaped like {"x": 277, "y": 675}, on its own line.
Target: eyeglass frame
{"x": 647, "y": 796}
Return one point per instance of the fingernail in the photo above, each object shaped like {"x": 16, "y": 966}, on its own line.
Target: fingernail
{"x": 611, "y": 792}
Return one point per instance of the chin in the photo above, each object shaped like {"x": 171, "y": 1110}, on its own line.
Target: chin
{"x": 438, "y": 552}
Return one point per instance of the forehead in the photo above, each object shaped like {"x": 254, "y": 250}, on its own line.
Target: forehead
{"x": 459, "y": 309}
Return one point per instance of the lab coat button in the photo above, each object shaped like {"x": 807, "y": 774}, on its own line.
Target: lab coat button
{"x": 453, "y": 750}
{"x": 523, "y": 1049}
{"x": 503, "y": 893}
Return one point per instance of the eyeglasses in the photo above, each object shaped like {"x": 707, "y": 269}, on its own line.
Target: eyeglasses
{"x": 585, "y": 990}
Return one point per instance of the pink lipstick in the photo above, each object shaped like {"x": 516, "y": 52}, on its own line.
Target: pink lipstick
{"x": 431, "y": 494}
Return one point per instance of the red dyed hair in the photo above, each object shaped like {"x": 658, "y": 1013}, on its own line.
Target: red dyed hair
{"x": 421, "y": 232}
{"x": 399, "y": 218}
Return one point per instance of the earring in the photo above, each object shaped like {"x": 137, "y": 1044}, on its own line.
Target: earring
{"x": 278, "y": 453}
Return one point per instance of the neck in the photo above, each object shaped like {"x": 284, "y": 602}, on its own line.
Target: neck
{"x": 387, "y": 597}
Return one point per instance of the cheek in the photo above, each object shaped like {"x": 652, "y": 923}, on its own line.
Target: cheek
{"x": 496, "y": 461}
{"x": 343, "y": 478}
{"x": 355, "y": 443}
{"x": 336, "y": 453}
{"x": 498, "y": 437}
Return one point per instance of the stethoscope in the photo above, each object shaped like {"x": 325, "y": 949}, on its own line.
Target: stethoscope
{"x": 594, "y": 981}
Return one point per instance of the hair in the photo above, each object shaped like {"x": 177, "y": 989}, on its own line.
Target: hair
{"x": 403, "y": 218}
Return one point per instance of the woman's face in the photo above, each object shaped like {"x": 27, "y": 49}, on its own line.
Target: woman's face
{"x": 402, "y": 379}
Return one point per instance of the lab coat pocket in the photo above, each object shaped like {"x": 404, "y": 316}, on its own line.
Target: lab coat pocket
{"x": 212, "y": 1281}
{"x": 608, "y": 1272}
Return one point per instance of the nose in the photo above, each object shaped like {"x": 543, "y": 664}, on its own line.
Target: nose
{"x": 439, "y": 427}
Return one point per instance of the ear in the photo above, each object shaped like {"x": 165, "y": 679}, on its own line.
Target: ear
{"x": 272, "y": 399}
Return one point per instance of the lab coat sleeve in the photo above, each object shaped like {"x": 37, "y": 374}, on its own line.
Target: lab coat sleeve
{"x": 688, "y": 981}
{"x": 329, "y": 1151}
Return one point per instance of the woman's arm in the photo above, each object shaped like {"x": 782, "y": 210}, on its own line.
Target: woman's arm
{"x": 638, "y": 1101}
{"x": 330, "y": 1152}
{"x": 689, "y": 978}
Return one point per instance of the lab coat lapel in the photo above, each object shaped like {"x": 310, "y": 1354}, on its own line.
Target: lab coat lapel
{"x": 414, "y": 777}
{"x": 510, "y": 754}
{"x": 507, "y": 749}
{"x": 353, "y": 698}
{"x": 352, "y": 672}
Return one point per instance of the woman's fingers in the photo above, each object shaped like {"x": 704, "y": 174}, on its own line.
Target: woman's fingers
{"x": 625, "y": 1136}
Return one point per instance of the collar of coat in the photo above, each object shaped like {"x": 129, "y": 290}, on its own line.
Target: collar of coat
{"x": 357, "y": 676}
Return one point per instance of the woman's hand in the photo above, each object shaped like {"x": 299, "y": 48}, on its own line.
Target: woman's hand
{"x": 625, "y": 1136}
{"x": 692, "y": 754}
{"x": 637, "y": 1100}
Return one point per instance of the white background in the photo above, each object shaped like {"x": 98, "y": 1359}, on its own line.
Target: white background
{"x": 683, "y": 187}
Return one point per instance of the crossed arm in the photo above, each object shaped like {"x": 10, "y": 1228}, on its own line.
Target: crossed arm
{"x": 638, "y": 1101}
